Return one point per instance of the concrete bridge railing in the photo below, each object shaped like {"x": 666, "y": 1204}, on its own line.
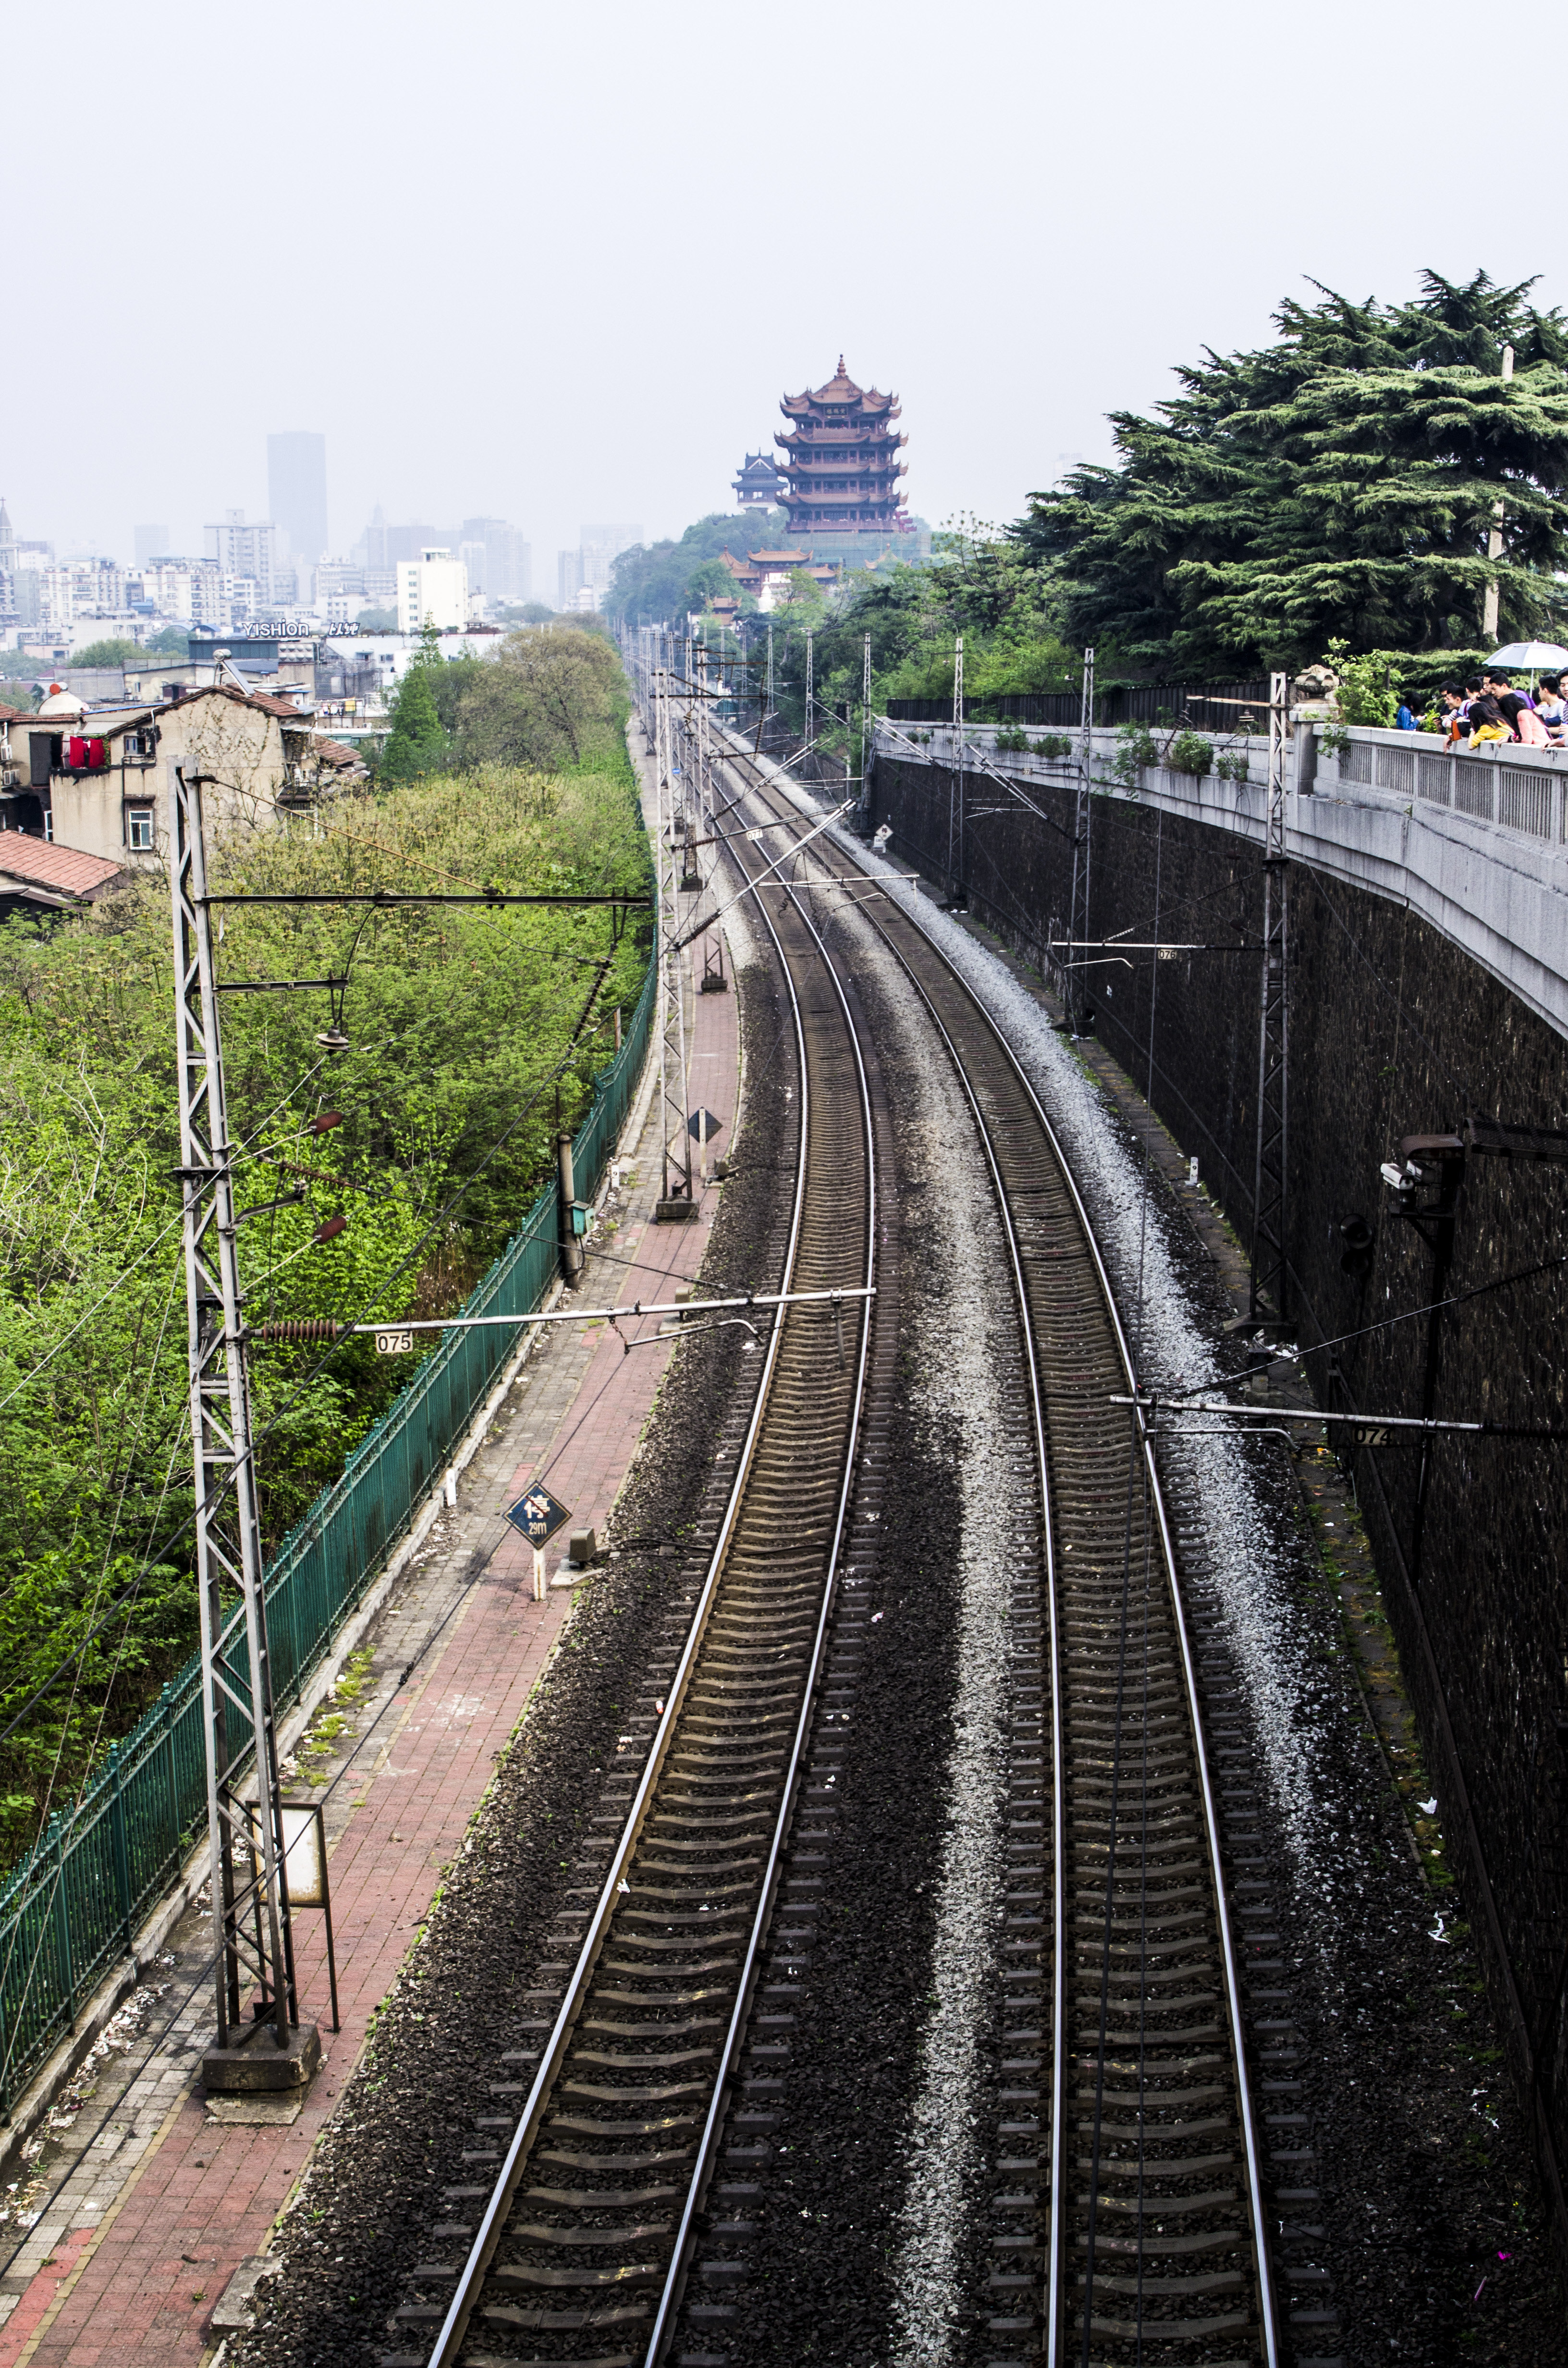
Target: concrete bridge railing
{"x": 1475, "y": 845}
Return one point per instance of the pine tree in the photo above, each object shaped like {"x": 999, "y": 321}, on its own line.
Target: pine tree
{"x": 1339, "y": 483}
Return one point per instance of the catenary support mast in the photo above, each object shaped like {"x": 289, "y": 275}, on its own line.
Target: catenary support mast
{"x": 1078, "y": 915}
{"x": 250, "y": 1902}
{"x": 1269, "y": 1276}
{"x": 955, "y": 792}
{"x": 672, "y": 1103}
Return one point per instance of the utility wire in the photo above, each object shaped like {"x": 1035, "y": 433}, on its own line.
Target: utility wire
{"x": 1386, "y": 1323}
{"x": 169, "y": 1543}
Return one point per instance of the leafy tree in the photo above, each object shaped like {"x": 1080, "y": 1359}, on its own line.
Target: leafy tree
{"x": 554, "y": 700}
{"x": 712, "y": 580}
{"x": 418, "y": 744}
{"x": 376, "y": 621}
{"x": 112, "y": 652}
{"x": 458, "y": 1019}
{"x": 168, "y": 642}
{"x": 651, "y": 582}
{"x": 1343, "y": 481}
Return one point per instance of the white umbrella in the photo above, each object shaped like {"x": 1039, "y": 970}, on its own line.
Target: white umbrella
{"x": 1534, "y": 655}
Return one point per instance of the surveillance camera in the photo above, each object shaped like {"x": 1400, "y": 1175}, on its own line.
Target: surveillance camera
{"x": 1394, "y": 1175}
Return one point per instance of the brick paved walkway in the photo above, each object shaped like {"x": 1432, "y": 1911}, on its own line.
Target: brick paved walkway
{"x": 162, "y": 2208}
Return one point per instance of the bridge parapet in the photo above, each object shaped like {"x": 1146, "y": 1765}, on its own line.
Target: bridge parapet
{"x": 1475, "y": 845}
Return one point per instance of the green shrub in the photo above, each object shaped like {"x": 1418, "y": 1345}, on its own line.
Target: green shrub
{"x": 1232, "y": 765}
{"x": 1190, "y": 751}
{"x": 1053, "y": 744}
{"x": 1368, "y": 689}
{"x": 1135, "y": 748}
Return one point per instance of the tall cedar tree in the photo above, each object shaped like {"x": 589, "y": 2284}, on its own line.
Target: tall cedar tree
{"x": 1341, "y": 482}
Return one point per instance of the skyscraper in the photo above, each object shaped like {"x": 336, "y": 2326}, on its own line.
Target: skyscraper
{"x": 151, "y": 543}
{"x": 504, "y": 566}
{"x": 296, "y": 489}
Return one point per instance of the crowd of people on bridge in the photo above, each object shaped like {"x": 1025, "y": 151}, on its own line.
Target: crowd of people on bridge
{"x": 1488, "y": 708}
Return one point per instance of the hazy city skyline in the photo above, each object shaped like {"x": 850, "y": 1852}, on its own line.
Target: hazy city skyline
{"x": 1079, "y": 239}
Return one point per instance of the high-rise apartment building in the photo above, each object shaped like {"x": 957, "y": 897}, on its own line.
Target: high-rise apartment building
{"x": 432, "y": 590}
{"x": 587, "y": 569}
{"x": 239, "y": 549}
{"x": 151, "y": 543}
{"x": 296, "y": 491}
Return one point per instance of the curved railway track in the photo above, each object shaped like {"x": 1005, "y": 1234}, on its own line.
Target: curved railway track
{"x": 1135, "y": 2220}
{"x": 1127, "y": 2204}
{"x": 579, "y": 2248}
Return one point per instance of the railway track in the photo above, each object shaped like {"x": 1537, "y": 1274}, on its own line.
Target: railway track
{"x": 1128, "y": 2209}
{"x": 576, "y": 2245}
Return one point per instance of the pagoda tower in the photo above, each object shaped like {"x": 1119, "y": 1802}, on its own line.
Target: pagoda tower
{"x": 841, "y": 461}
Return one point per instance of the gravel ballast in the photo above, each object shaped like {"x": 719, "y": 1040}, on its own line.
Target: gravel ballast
{"x": 1387, "y": 2113}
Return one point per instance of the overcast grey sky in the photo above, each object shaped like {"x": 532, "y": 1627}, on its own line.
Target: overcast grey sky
{"x": 559, "y": 264}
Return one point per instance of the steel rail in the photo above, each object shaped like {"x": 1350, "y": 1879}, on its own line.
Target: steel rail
{"x": 453, "y": 2330}
{"x": 1268, "y": 2304}
{"x": 487, "y": 2235}
{"x": 670, "y": 2297}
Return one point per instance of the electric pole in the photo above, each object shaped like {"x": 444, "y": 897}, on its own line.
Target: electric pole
{"x": 955, "y": 789}
{"x": 246, "y": 1841}
{"x": 676, "y": 1200}
{"x": 865, "y": 721}
{"x": 1078, "y": 918}
{"x": 811, "y": 707}
{"x": 1269, "y": 1277}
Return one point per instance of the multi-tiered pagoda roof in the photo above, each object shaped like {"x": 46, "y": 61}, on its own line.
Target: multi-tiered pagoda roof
{"x": 841, "y": 460}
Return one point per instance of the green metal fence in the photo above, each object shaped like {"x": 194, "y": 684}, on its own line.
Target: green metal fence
{"x": 70, "y": 1909}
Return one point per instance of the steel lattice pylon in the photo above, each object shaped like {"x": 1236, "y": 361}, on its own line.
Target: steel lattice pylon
{"x": 250, "y": 1901}
{"x": 1269, "y": 1271}
{"x": 673, "y": 1043}
{"x": 1078, "y": 902}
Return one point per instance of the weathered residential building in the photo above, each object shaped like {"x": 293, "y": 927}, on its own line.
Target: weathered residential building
{"x": 100, "y": 780}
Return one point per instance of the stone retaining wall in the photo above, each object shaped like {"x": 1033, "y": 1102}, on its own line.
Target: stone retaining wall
{"x": 1394, "y": 1031}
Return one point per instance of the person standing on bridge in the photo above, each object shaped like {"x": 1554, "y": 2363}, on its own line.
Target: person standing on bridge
{"x": 1451, "y": 711}
{"x": 1486, "y": 720}
{"x": 1521, "y": 716}
{"x": 1549, "y": 707}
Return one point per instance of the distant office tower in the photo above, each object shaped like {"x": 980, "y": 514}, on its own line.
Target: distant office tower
{"x": 568, "y": 579}
{"x": 499, "y": 559}
{"x": 151, "y": 543}
{"x": 296, "y": 488}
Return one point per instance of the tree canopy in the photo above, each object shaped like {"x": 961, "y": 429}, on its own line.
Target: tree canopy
{"x": 1341, "y": 482}
{"x": 654, "y": 583}
{"x": 459, "y": 1018}
{"x": 555, "y": 701}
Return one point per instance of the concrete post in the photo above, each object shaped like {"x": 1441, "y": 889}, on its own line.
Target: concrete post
{"x": 571, "y": 1247}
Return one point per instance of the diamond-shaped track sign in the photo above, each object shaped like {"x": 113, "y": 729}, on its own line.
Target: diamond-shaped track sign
{"x": 539, "y": 1515}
